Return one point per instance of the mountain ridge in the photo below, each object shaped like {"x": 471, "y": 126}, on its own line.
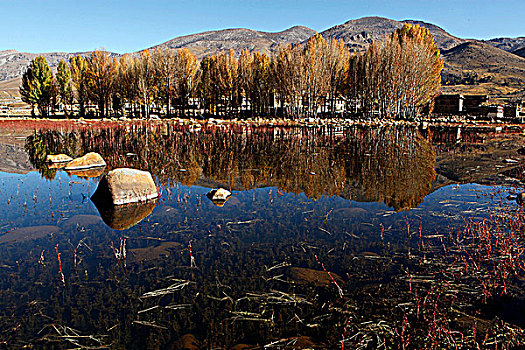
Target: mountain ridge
{"x": 237, "y": 39}
{"x": 355, "y": 33}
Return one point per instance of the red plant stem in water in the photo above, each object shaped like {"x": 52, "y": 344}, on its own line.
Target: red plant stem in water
{"x": 344, "y": 333}
{"x": 341, "y": 294}
{"x": 60, "y": 267}
{"x": 408, "y": 227}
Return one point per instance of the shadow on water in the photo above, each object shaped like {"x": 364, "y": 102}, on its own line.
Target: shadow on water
{"x": 315, "y": 248}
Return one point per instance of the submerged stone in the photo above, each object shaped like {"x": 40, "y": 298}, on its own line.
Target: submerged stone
{"x": 58, "y": 158}
{"x": 188, "y": 342}
{"x": 154, "y": 252}
{"x": 28, "y": 233}
{"x": 219, "y": 196}
{"x": 80, "y": 221}
{"x": 316, "y": 277}
{"x": 89, "y": 160}
{"x": 125, "y": 185}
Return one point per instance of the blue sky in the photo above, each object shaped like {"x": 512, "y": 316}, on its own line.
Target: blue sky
{"x": 129, "y": 25}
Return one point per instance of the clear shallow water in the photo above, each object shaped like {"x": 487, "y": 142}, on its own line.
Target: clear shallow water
{"x": 254, "y": 271}
{"x": 29, "y": 200}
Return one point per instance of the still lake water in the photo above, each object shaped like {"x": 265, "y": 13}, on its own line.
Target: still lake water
{"x": 310, "y": 249}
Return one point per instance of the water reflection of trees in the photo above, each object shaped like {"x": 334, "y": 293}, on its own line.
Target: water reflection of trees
{"x": 392, "y": 165}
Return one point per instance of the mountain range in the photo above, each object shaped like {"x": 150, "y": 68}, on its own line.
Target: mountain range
{"x": 495, "y": 66}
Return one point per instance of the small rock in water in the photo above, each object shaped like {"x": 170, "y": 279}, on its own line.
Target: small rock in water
{"x": 219, "y": 196}
{"x": 124, "y": 185}
{"x": 89, "y": 160}
{"x": 58, "y": 158}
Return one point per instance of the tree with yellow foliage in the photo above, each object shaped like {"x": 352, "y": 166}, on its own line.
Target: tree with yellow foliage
{"x": 398, "y": 76}
{"x": 145, "y": 81}
{"x": 254, "y": 81}
{"x": 186, "y": 66}
{"x": 78, "y": 68}
{"x": 100, "y": 78}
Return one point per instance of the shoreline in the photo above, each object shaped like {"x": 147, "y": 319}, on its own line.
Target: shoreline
{"x": 424, "y": 123}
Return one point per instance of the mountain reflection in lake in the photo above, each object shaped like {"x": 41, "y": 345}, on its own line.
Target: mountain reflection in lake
{"x": 310, "y": 250}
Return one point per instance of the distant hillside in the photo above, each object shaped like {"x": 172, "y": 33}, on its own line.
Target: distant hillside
{"x": 9, "y": 89}
{"x": 508, "y": 44}
{"x": 520, "y": 52}
{"x": 476, "y": 64}
{"x": 209, "y": 43}
{"x": 358, "y": 33}
{"x": 14, "y": 63}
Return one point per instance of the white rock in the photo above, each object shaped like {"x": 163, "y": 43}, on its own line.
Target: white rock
{"x": 219, "y": 194}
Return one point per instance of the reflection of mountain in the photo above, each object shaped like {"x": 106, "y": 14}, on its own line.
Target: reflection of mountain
{"x": 13, "y": 159}
{"x": 392, "y": 165}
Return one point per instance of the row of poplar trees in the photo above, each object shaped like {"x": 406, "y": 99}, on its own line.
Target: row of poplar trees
{"x": 395, "y": 77}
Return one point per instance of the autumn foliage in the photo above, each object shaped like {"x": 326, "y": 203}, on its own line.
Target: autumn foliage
{"x": 396, "y": 77}
{"x": 399, "y": 75}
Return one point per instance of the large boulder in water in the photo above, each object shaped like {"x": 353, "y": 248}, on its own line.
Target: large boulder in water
{"x": 58, "y": 158}
{"x": 124, "y": 185}
{"x": 89, "y": 160}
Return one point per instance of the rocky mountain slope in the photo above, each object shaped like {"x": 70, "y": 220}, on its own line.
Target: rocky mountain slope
{"x": 520, "y": 52}
{"x": 13, "y": 63}
{"x": 477, "y": 64}
{"x": 358, "y": 33}
{"x": 514, "y": 45}
{"x": 14, "y": 158}
{"x": 212, "y": 42}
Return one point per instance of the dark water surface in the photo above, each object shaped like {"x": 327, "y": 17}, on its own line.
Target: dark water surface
{"x": 311, "y": 249}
